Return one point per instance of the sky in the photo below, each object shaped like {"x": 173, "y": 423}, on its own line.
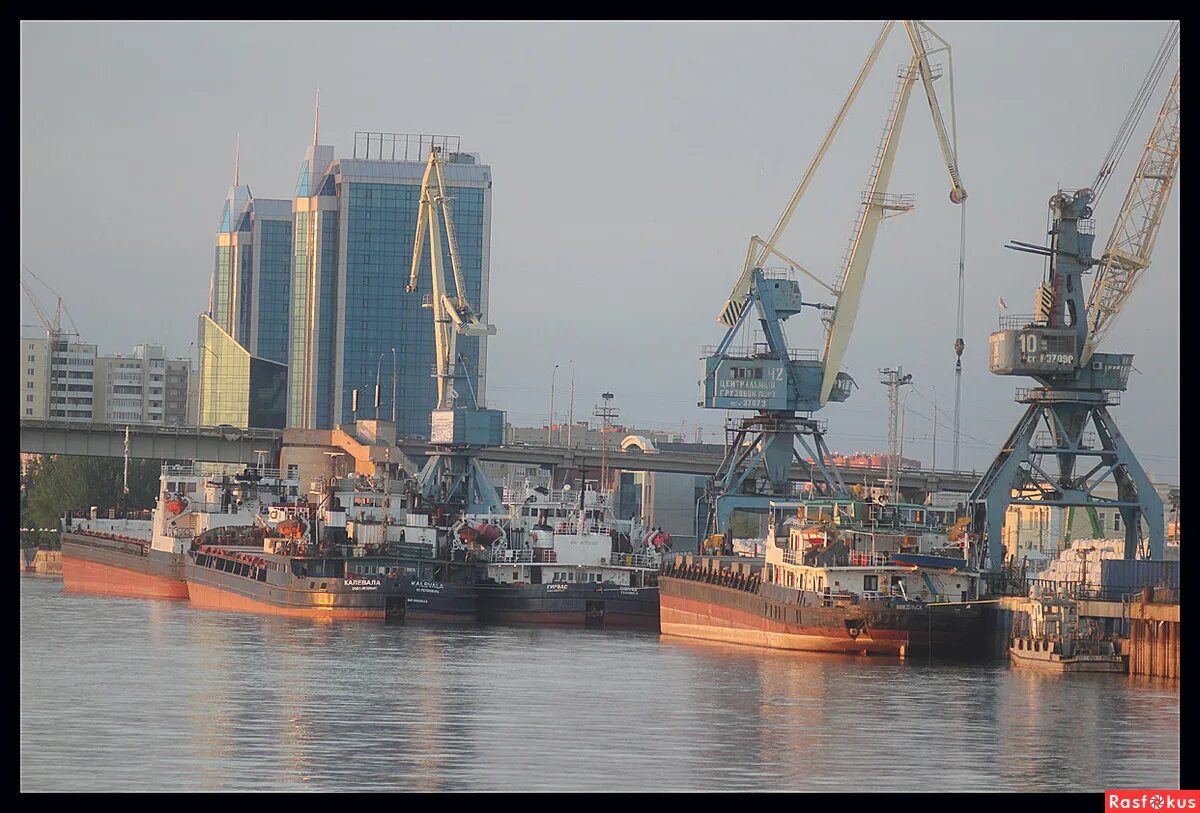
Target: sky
{"x": 631, "y": 162}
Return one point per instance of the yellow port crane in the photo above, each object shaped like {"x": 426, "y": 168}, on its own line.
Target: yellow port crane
{"x": 451, "y": 315}
{"x": 452, "y": 477}
{"x": 1129, "y": 247}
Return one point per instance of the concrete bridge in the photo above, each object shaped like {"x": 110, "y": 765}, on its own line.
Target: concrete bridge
{"x": 912, "y": 482}
{"x": 230, "y": 445}
{"x": 210, "y": 443}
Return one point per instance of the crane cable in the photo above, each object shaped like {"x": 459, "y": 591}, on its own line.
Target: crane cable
{"x": 57, "y": 294}
{"x": 1136, "y": 109}
{"x": 959, "y": 345}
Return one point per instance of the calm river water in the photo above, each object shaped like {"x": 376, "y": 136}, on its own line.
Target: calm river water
{"x": 134, "y": 695}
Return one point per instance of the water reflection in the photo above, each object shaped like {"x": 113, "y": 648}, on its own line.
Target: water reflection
{"x": 123, "y": 694}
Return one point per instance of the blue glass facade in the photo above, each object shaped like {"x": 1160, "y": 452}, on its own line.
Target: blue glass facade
{"x": 380, "y": 314}
{"x": 274, "y": 272}
{"x": 326, "y": 317}
{"x": 351, "y": 258}
{"x": 245, "y": 286}
{"x": 298, "y": 337}
{"x": 252, "y": 273}
{"x": 222, "y": 270}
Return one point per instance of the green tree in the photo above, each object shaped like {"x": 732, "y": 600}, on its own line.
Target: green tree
{"x": 57, "y": 484}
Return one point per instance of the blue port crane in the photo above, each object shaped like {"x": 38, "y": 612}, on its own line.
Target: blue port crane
{"x": 452, "y": 478}
{"x": 1056, "y": 346}
{"x": 784, "y": 386}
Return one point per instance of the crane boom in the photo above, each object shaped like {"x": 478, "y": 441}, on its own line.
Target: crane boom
{"x": 51, "y": 327}
{"x": 731, "y": 311}
{"x": 451, "y": 315}
{"x": 1132, "y": 241}
{"x": 914, "y": 28}
{"x": 875, "y": 205}
{"x": 760, "y": 249}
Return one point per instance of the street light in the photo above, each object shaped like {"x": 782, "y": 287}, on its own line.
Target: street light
{"x": 378, "y": 362}
{"x": 191, "y": 383}
{"x": 393, "y": 385}
{"x": 550, "y": 422}
{"x": 200, "y": 385}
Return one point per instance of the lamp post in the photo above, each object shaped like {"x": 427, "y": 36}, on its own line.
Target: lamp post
{"x": 191, "y": 383}
{"x": 903, "y": 415}
{"x": 550, "y": 422}
{"x": 378, "y": 362}
{"x": 200, "y": 386}
{"x": 393, "y": 385}
{"x": 571, "y": 408}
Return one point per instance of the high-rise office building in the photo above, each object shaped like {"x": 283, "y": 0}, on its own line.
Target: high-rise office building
{"x": 252, "y": 272}
{"x": 354, "y": 225}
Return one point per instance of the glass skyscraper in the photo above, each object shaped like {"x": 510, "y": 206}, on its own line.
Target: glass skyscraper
{"x": 250, "y": 288}
{"x": 353, "y": 231}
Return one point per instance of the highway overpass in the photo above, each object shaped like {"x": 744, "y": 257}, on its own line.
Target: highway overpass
{"x": 211, "y": 444}
{"x": 229, "y": 445}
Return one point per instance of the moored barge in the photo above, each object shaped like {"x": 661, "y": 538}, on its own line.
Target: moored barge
{"x": 824, "y": 587}
{"x": 146, "y": 558}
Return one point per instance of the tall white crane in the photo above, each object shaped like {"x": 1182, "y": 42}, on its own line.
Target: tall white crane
{"x": 451, "y": 314}
{"x": 1132, "y": 241}
{"x": 452, "y": 477}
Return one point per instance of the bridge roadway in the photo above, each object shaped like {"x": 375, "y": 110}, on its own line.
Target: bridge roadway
{"x": 229, "y": 445}
{"x": 701, "y": 463}
{"x": 209, "y": 443}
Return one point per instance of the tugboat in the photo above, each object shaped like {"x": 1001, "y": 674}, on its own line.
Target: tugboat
{"x": 1052, "y": 638}
{"x": 831, "y": 581}
{"x": 145, "y": 558}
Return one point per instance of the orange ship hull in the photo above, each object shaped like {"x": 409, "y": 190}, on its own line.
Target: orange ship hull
{"x": 84, "y": 576}
{"x": 206, "y": 597}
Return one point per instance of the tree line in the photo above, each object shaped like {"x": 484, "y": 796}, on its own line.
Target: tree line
{"x": 53, "y": 484}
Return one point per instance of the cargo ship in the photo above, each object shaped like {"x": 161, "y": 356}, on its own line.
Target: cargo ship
{"x": 146, "y": 558}
{"x": 841, "y": 576}
{"x": 348, "y": 556}
{"x": 564, "y": 559}
{"x": 394, "y": 533}
{"x": 288, "y": 574}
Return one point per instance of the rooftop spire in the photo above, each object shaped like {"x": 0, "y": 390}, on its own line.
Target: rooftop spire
{"x": 316, "y": 116}
{"x": 237, "y": 157}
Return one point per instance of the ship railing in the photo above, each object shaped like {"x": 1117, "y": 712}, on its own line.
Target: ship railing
{"x": 132, "y": 543}
{"x": 108, "y": 513}
{"x": 1019, "y": 321}
{"x": 642, "y": 560}
{"x": 869, "y": 559}
{"x": 514, "y": 556}
{"x": 219, "y": 470}
{"x": 216, "y": 507}
{"x": 829, "y": 598}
